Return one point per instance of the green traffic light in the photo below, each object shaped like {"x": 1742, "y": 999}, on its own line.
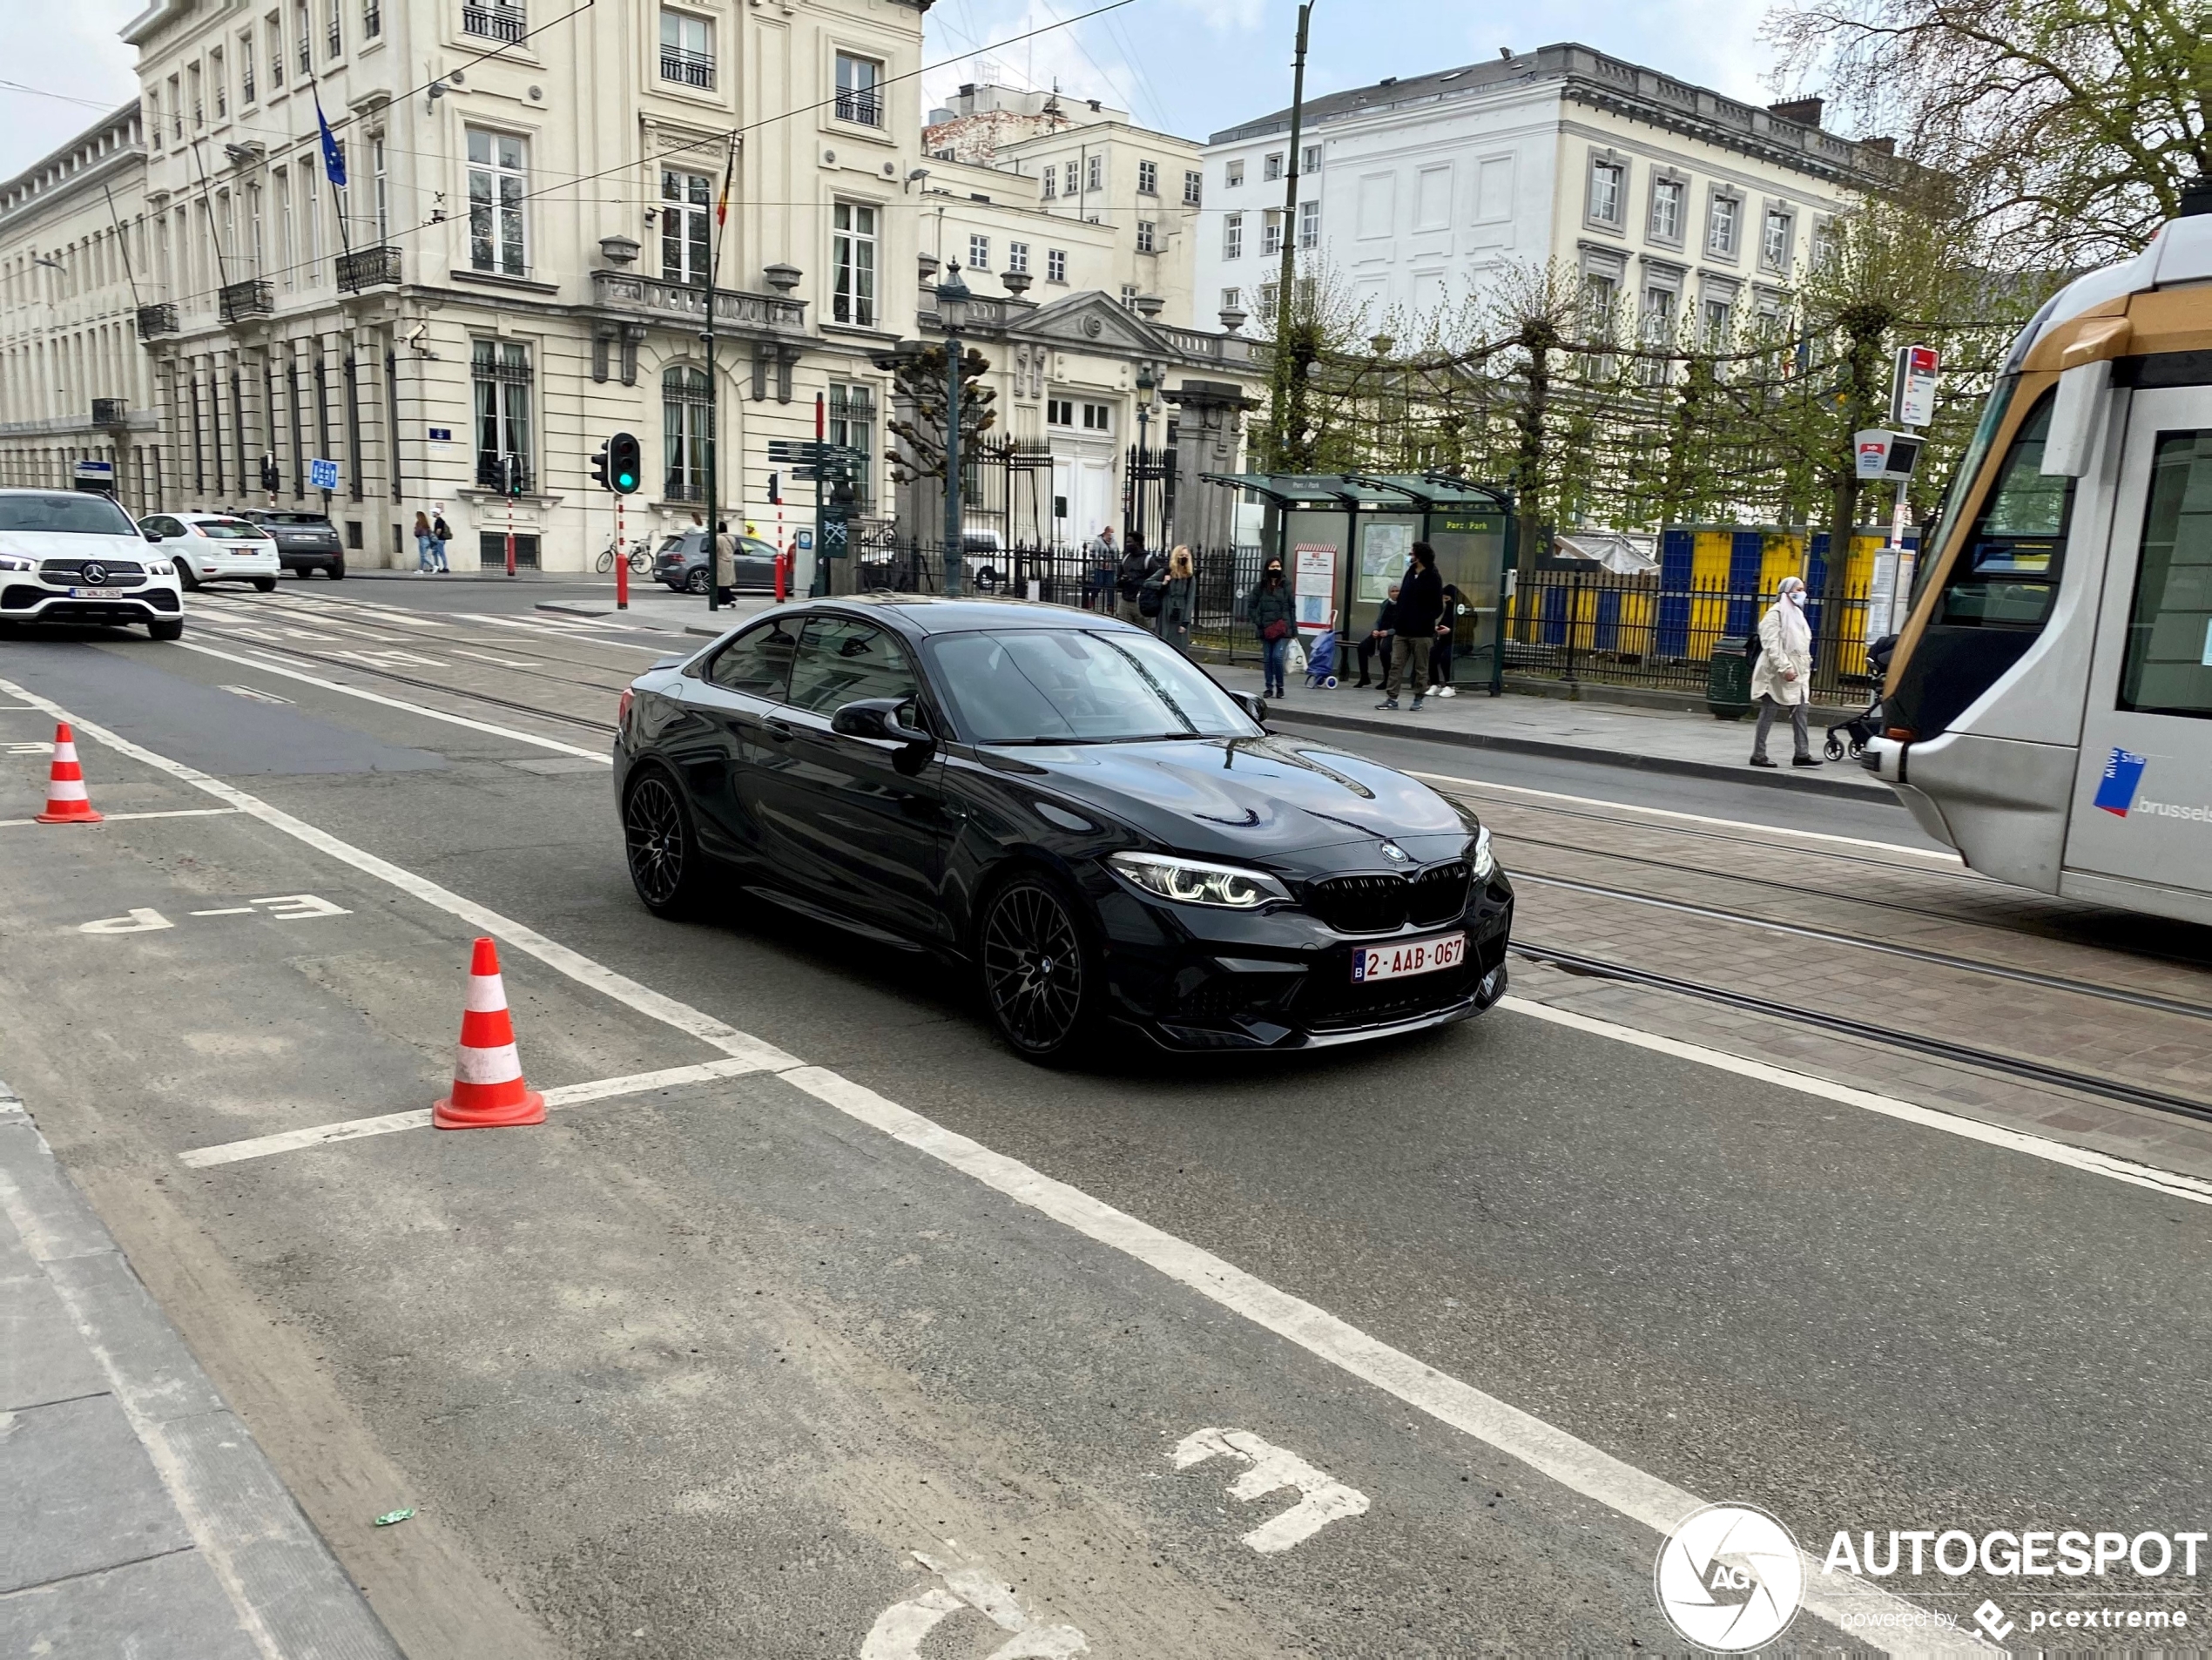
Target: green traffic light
{"x": 628, "y": 481}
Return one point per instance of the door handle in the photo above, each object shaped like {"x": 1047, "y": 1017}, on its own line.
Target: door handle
{"x": 777, "y": 729}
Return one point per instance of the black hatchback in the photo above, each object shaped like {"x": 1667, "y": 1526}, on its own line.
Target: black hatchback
{"x": 1069, "y": 809}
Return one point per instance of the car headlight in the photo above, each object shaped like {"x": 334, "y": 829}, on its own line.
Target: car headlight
{"x": 161, "y": 568}
{"x": 1192, "y": 881}
{"x": 1484, "y": 861}
{"x": 10, "y": 561}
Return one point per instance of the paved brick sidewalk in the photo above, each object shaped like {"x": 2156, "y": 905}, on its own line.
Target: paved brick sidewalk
{"x": 136, "y": 1514}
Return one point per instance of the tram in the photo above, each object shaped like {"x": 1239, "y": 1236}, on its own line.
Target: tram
{"x": 2048, "y": 706}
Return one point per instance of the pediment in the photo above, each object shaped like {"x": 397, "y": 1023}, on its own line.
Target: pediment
{"x": 1091, "y": 321}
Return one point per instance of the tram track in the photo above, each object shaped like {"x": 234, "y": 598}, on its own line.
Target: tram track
{"x": 2088, "y": 1083}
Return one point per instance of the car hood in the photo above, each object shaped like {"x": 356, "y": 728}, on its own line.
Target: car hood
{"x": 1244, "y": 798}
{"x": 64, "y": 544}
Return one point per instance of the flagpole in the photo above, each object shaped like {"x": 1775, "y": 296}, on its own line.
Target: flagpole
{"x": 714, "y": 388}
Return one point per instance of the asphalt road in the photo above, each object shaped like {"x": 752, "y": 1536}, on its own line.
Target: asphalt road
{"x": 710, "y": 1369}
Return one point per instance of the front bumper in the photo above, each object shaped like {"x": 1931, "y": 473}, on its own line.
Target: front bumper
{"x": 25, "y": 602}
{"x": 1193, "y": 978}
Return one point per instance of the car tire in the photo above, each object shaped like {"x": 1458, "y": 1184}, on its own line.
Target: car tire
{"x": 338, "y": 571}
{"x": 660, "y": 844}
{"x": 300, "y": 571}
{"x": 696, "y": 583}
{"x": 187, "y": 578}
{"x": 264, "y": 585}
{"x": 167, "y": 630}
{"x": 1040, "y": 969}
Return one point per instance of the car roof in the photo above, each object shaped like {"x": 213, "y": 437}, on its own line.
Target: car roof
{"x": 923, "y": 614}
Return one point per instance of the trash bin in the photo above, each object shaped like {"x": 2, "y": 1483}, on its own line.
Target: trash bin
{"x": 1728, "y": 686}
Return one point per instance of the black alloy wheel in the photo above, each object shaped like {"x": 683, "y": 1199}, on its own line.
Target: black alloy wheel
{"x": 662, "y": 852}
{"x": 1039, "y": 975}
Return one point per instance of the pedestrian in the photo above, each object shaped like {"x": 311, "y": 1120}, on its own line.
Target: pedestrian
{"x": 1782, "y": 678}
{"x": 725, "y": 563}
{"x": 1440, "y": 657}
{"x": 1128, "y": 579}
{"x": 1379, "y": 638}
{"x": 1268, "y": 610}
{"x": 1105, "y": 558}
{"x": 1421, "y": 606}
{"x": 1178, "y": 600}
{"x": 441, "y": 533}
{"x": 426, "y": 546}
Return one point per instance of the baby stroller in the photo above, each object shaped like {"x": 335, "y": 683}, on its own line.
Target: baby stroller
{"x": 1321, "y": 660}
{"x": 1854, "y": 734}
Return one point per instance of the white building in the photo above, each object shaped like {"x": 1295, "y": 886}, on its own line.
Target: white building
{"x": 1416, "y": 192}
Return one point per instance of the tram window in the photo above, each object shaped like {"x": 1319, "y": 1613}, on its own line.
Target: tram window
{"x": 2009, "y": 568}
{"x": 2167, "y": 668}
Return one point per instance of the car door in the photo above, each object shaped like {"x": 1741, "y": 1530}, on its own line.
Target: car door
{"x": 854, "y": 823}
{"x": 2143, "y": 799}
{"x": 739, "y": 687}
{"x": 756, "y": 563}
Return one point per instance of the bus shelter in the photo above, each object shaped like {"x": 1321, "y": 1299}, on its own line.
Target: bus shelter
{"x": 1345, "y": 539}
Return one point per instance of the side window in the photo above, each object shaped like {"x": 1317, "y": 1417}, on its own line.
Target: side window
{"x": 841, "y": 661}
{"x": 2167, "y": 668}
{"x": 758, "y": 662}
{"x": 2009, "y": 569}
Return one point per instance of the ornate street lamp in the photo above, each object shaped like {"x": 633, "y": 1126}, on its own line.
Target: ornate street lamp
{"x": 1148, "y": 380}
{"x": 952, "y": 312}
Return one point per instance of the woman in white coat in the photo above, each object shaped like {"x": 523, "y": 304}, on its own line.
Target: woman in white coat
{"x": 1782, "y": 676}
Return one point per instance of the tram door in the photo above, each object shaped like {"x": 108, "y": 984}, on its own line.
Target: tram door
{"x": 2143, "y": 799}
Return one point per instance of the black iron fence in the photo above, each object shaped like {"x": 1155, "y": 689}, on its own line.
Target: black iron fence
{"x": 1632, "y": 631}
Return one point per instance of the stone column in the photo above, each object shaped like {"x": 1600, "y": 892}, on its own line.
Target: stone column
{"x": 1209, "y": 423}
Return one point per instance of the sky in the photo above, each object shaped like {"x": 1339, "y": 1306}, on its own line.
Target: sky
{"x": 1186, "y": 66}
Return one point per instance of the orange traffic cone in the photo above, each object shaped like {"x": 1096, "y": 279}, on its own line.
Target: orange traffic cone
{"x": 488, "y": 1089}
{"x": 66, "y": 802}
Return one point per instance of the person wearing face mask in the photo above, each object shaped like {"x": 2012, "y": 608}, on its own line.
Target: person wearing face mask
{"x": 1782, "y": 678}
{"x": 1268, "y": 611}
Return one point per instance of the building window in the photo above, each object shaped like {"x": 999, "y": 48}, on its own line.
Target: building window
{"x": 1072, "y": 184}
{"x": 501, "y": 369}
{"x": 1774, "y": 242}
{"x": 222, "y": 84}
{"x": 852, "y": 422}
{"x": 1128, "y": 296}
{"x": 1232, "y": 299}
{"x": 1824, "y": 241}
{"x": 153, "y": 117}
{"x": 859, "y": 96}
{"x": 311, "y": 223}
{"x": 497, "y": 184}
{"x": 287, "y": 243}
{"x": 335, "y": 36}
{"x": 1270, "y": 167}
{"x": 273, "y": 30}
{"x": 979, "y": 252}
{"x": 1271, "y": 232}
{"x": 1667, "y": 196}
{"x": 687, "y": 428}
{"x": 852, "y": 265}
{"x": 1309, "y": 158}
{"x": 1232, "y": 236}
{"x": 1719, "y": 314}
{"x": 1658, "y": 334}
{"x": 1146, "y": 234}
{"x": 303, "y": 26}
{"x": 1193, "y": 185}
{"x": 1600, "y": 293}
{"x": 1055, "y": 265}
{"x": 1723, "y": 225}
{"x": 381, "y": 183}
{"x": 1051, "y": 180}
{"x": 685, "y": 227}
{"x": 686, "y": 49}
{"x": 1094, "y": 173}
{"x": 1098, "y": 417}
{"x": 1232, "y": 176}
{"x": 1309, "y": 225}
{"x": 493, "y": 19}
{"x": 199, "y": 107}
{"x": 372, "y": 19}
{"x": 1147, "y": 179}
{"x": 1060, "y": 412}
{"x": 1017, "y": 257}
{"x": 245, "y": 68}
{"x": 1607, "y": 179}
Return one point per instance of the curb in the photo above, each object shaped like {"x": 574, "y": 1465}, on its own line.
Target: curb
{"x": 1782, "y": 779}
{"x": 247, "y": 1531}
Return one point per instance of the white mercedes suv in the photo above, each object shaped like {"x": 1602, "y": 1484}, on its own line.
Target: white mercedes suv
{"x": 74, "y": 557}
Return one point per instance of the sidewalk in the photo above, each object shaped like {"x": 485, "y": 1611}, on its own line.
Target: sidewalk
{"x": 1653, "y": 739}
{"x": 680, "y": 613}
{"x": 136, "y": 1516}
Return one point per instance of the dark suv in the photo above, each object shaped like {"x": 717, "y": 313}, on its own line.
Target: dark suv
{"x": 304, "y": 542}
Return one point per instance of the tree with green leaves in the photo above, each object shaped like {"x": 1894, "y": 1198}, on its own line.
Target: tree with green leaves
{"x": 918, "y": 383}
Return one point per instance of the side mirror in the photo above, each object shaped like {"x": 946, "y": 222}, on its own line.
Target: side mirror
{"x": 1253, "y": 705}
{"x": 151, "y": 535}
{"x": 878, "y": 718}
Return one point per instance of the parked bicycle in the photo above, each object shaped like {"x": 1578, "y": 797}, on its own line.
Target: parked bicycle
{"x": 641, "y": 556}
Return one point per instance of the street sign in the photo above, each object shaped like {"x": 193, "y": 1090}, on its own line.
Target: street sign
{"x": 1886, "y": 456}
{"x": 1912, "y": 386}
{"x": 322, "y": 474}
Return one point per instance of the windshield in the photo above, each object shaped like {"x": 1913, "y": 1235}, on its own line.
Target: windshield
{"x": 230, "y": 531}
{"x": 1960, "y": 484}
{"x": 301, "y": 521}
{"x": 73, "y": 515}
{"x": 1056, "y": 686}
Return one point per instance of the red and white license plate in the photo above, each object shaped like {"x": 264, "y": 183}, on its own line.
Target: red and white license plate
{"x": 1414, "y": 956}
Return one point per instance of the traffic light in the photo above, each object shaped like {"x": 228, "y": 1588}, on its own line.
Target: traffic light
{"x": 269, "y": 474}
{"x": 625, "y": 463}
{"x": 599, "y": 467}
{"x": 775, "y": 490}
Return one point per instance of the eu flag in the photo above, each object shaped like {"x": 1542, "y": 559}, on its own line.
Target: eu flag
{"x": 334, "y": 158}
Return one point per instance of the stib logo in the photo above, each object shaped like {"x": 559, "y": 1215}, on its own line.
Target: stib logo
{"x": 1729, "y": 1577}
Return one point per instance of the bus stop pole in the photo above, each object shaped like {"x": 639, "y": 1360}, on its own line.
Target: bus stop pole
{"x": 1509, "y": 561}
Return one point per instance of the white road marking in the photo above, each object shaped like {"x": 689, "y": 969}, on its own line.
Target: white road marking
{"x": 1552, "y": 1452}
{"x": 297, "y": 907}
{"x": 1322, "y": 1498}
{"x": 392, "y": 659}
{"x": 566, "y": 1095}
{"x": 367, "y": 696}
{"x": 582, "y": 631}
{"x": 502, "y": 662}
{"x": 139, "y": 921}
{"x": 2170, "y": 1182}
{"x": 258, "y": 697}
{"x": 28, "y": 749}
{"x": 1940, "y": 855}
{"x": 228, "y": 910}
{"x": 173, "y": 813}
{"x": 899, "y": 1630}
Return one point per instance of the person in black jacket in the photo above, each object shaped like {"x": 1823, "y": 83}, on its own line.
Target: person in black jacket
{"x": 1421, "y": 603}
{"x": 1129, "y": 579}
{"x": 1268, "y": 609}
{"x": 1379, "y": 638}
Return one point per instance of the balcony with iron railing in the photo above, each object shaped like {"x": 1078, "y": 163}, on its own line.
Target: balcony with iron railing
{"x": 367, "y": 268}
{"x": 493, "y": 21}
{"x": 864, "y": 107}
{"x": 683, "y": 305}
{"x": 686, "y": 68}
{"x": 160, "y": 318}
{"x": 254, "y": 297}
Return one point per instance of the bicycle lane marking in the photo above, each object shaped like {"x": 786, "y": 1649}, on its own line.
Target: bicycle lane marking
{"x": 1852, "y": 1605}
